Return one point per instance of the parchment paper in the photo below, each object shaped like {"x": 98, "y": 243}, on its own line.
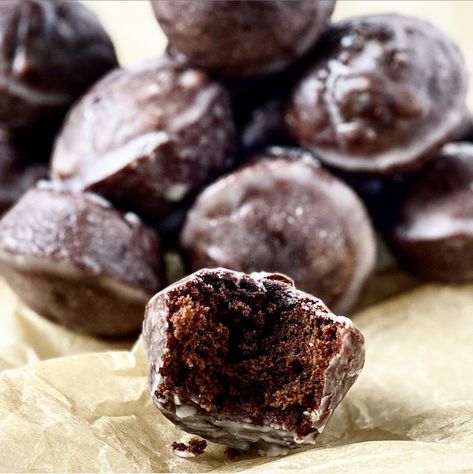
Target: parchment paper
{"x": 410, "y": 410}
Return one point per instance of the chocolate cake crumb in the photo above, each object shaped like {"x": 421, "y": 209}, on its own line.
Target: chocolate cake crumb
{"x": 233, "y": 454}
{"x": 195, "y": 447}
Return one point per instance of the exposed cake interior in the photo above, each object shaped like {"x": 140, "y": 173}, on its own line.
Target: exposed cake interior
{"x": 248, "y": 352}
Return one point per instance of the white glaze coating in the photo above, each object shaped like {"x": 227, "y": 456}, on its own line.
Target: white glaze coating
{"x": 432, "y": 224}
{"x": 65, "y": 270}
{"x": 142, "y": 148}
{"x": 184, "y": 453}
{"x": 34, "y": 96}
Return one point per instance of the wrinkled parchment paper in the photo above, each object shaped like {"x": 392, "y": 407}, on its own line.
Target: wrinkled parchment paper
{"x": 410, "y": 410}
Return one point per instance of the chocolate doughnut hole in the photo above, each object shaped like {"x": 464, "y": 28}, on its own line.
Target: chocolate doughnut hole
{"x": 284, "y": 213}
{"x": 50, "y": 52}
{"x": 78, "y": 262}
{"x": 433, "y": 233}
{"x": 147, "y": 138}
{"x": 248, "y": 361}
{"x": 245, "y": 37}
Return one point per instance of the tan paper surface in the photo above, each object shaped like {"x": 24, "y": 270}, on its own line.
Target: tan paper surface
{"x": 411, "y": 408}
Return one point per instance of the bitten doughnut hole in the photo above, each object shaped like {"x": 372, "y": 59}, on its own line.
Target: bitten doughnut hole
{"x": 248, "y": 361}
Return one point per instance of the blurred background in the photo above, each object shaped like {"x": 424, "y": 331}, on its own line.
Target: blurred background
{"x": 137, "y": 36}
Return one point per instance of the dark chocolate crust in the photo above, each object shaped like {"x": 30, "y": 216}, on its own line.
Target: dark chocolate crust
{"x": 147, "y": 138}
{"x": 380, "y": 194}
{"x": 433, "y": 234}
{"x": 245, "y": 37}
{"x": 284, "y": 213}
{"x": 384, "y": 94}
{"x": 50, "y": 52}
{"x": 265, "y": 127}
{"x": 248, "y": 360}
{"x": 19, "y": 169}
{"x": 195, "y": 447}
{"x": 75, "y": 260}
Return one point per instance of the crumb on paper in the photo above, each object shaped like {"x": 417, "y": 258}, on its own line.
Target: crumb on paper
{"x": 233, "y": 454}
{"x": 195, "y": 447}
